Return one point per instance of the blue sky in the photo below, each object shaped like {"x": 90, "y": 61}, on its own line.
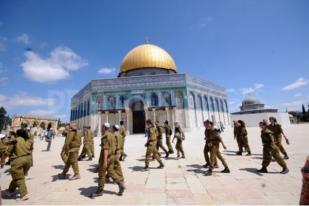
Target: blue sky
{"x": 51, "y": 49}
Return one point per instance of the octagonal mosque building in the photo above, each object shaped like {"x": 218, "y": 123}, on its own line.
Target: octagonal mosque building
{"x": 148, "y": 86}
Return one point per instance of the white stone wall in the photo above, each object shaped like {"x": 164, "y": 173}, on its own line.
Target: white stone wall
{"x": 252, "y": 120}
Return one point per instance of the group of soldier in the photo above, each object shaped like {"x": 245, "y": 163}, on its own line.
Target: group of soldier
{"x": 19, "y": 146}
{"x": 271, "y": 135}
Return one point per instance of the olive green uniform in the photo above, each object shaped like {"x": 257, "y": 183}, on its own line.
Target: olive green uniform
{"x": 117, "y": 166}
{"x": 122, "y": 132}
{"x": 159, "y": 139}
{"x": 277, "y": 132}
{"x": 242, "y": 138}
{"x": 20, "y": 152}
{"x": 88, "y": 141}
{"x": 207, "y": 149}
{"x": 108, "y": 142}
{"x": 179, "y": 135}
{"x": 270, "y": 149}
{"x": 71, "y": 147}
{"x": 63, "y": 154}
{"x": 168, "y": 133}
{"x": 152, "y": 146}
{"x": 214, "y": 145}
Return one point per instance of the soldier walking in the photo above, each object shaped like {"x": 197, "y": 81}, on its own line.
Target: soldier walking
{"x": 214, "y": 145}
{"x": 278, "y": 133}
{"x": 270, "y": 149}
{"x": 88, "y": 142}
{"x": 207, "y": 149}
{"x": 71, "y": 147}
{"x": 107, "y": 162}
{"x": 151, "y": 145}
{"x": 19, "y": 150}
{"x": 242, "y": 138}
{"x": 168, "y": 134}
{"x": 159, "y": 139}
{"x": 180, "y": 137}
{"x": 123, "y": 133}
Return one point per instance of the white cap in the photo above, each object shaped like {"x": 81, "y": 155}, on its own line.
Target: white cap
{"x": 107, "y": 125}
{"x": 117, "y": 126}
{"x": 2, "y": 136}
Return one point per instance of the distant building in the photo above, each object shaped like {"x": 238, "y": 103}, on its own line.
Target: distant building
{"x": 252, "y": 111}
{"x": 148, "y": 86}
{"x": 33, "y": 120}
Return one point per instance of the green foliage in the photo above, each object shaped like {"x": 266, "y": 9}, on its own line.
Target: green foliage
{"x": 4, "y": 119}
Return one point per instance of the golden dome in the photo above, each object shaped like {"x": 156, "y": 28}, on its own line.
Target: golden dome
{"x": 147, "y": 56}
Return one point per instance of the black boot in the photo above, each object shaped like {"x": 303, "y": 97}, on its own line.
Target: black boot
{"x": 121, "y": 188}
{"x": 98, "y": 193}
{"x": 239, "y": 153}
{"x": 263, "y": 170}
{"x": 146, "y": 167}
{"x": 285, "y": 170}
{"x": 286, "y": 157}
{"x": 249, "y": 153}
{"x": 166, "y": 155}
{"x": 206, "y": 165}
{"x": 226, "y": 170}
{"x": 209, "y": 172}
{"x": 161, "y": 165}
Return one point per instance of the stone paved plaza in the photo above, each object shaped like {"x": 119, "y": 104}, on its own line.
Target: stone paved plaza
{"x": 181, "y": 181}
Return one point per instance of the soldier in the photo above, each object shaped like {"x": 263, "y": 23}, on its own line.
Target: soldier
{"x": 278, "y": 132}
{"x": 242, "y": 137}
{"x": 20, "y": 151}
{"x": 106, "y": 162}
{"x": 214, "y": 145}
{"x": 119, "y": 139}
{"x": 3, "y": 147}
{"x": 207, "y": 148}
{"x": 88, "y": 141}
{"x": 71, "y": 146}
{"x": 63, "y": 154}
{"x": 151, "y": 145}
{"x": 24, "y": 126}
{"x": 270, "y": 149}
{"x": 168, "y": 133}
{"x": 159, "y": 139}
{"x": 123, "y": 133}
{"x": 180, "y": 136}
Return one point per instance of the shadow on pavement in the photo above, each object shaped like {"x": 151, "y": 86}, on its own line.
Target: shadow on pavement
{"x": 89, "y": 190}
{"x": 137, "y": 168}
{"x": 251, "y": 170}
{"x": 196, "y": 168}
{"x": 58, "y": 167}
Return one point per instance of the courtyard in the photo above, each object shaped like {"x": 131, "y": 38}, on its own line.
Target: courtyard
{"x": 182, "y": 181}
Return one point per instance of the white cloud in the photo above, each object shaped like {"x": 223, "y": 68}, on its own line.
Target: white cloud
{"x": 300, "y": 82}
{"x": 250, "y": 90}
{"x": 23, "y": 38}
{"x": 2, "y": 43}
{"x": 22, "y": 99}
{"x": 106, "y": 70}
{"x": 57, "y": 66}
{"x": 298, "y": 95}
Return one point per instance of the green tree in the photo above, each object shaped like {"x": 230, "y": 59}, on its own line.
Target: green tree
{"x": 303, "y": 109}
{"x": 3, "y": 119}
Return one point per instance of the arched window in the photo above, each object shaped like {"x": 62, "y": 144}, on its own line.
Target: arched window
{"x": 111, "y": 102}
{"x": 217, "y": 105}
{"x": 192, "y": 100}
{"x": 167, "y": 98}
{"x": 123, "y": 98}
{"x": 154, "y": 99}
{"x": 206, "y": 103}
{"x": 212, "y": 104}
{"x": 221, "y": 105}
{"x": 199, "y": 103}
{"x": 226, "y": 107}
{"x": 179, "y": 100}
